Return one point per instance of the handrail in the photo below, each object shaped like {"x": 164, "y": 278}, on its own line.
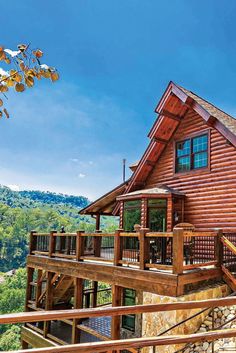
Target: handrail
{"x": 142, "y": 342}
{"x": 228, "y": 244}
{"x": 112, "y": 311}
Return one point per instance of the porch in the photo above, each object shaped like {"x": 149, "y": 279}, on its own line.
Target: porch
{"x": 181, "y": 256}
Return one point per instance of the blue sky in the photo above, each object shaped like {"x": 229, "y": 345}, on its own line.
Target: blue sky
{"x": 115, "y": 58}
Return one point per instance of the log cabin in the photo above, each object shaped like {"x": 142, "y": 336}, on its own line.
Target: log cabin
{"x": 176, "y": 238}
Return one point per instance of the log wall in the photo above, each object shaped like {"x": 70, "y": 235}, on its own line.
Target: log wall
{"x": 210, "y": 194}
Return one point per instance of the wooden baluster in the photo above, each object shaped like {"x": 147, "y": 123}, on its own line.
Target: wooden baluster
{"x": 30, "y": 273}
{"x": 143, "y": 248}
{"x": 32, "y": 242}
{"x": 38, "y": 288}
{"x": 52, "y": 243}
{"x": 118, "y": 247}
{"x": 97, "y": 241}
{"x": 79, "y": 245}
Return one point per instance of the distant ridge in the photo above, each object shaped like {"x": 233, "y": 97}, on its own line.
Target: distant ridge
{"x": 34, "y": 198}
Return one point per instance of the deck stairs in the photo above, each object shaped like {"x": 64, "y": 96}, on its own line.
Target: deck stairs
{"x": 63, "y": 289}
{"x": 229, "y": 262}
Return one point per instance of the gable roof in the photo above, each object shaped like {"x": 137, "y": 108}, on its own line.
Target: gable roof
{"x": 226, "y": 119}
{"x": 171, "y": 109}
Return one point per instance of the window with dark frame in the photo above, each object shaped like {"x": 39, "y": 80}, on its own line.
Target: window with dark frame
{"x": 128, "y": 321}
{"x": 192, "y": 153}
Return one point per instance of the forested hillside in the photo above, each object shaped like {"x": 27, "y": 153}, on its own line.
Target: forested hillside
{"x": 21, "y": 212}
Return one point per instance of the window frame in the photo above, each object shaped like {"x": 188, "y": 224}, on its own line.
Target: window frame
{"x": 133, "y": 316}
{"x": 192, "y": 154}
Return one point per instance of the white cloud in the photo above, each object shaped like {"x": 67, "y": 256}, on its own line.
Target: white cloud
{"x": 14, "y": 187}
{"x": 75, "y": 160}
{"x": 81, "y": 175}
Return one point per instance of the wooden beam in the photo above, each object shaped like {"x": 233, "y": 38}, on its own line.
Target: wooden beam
{"x": 170, "y": 115}
{"x": 41, "y": 315}
{"x": 137, "y": 342}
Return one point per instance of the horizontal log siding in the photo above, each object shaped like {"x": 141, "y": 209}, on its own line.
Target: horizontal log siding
{"x": 210, "y": 195}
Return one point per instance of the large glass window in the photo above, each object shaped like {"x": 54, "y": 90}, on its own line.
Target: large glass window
{"x": 128, "y": 321}
{"x": 157, "y": 215}
{"x": 192, "y": 153}
{"x": 132, "y": 214}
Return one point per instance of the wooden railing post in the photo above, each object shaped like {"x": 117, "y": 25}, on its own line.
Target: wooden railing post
{"x": 219, "y": 248}
{"x": 143, "y": 248}
{"x": 79, "y": 245}
{"x": 97, "y": 244}
{"x": 49, "y": 302}
{"x": 118, "y": 247}
{"x": 78, "y": 304}
{"x": 52, "y": 243}
{"x": 32, "y": 242}
{"x": 178, "y": 250}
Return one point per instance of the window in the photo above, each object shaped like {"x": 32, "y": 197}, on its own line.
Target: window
{"x": 192, "y": 153}
{"x": 132, "y": 214}
{"x": 157, "y": 215}
{"x": 128, "y": 321}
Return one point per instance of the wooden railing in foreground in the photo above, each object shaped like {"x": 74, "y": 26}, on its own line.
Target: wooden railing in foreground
{"x": 118, "y": 345}
{"x": 175, "y": 251}
{"x": 228, "y": 258}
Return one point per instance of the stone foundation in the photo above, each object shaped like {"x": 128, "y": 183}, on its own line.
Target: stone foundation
{"x": 155, "y": 323}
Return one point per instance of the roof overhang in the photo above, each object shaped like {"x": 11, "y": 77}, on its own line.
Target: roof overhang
{"x": 153, "y": 193}
{"x": 105, "y": 204}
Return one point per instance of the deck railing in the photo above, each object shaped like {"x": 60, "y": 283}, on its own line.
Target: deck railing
{"x": 175, "y": 251}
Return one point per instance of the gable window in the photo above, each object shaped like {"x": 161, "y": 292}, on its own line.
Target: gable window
{"x": 192, "y": 153}
{"x": 128, "y": 321}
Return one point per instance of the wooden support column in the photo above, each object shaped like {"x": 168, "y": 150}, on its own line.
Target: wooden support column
{"x": 52, "y": 243}
{"x": 169, "y": 213}
{"x": 78, "y": 304}
{"x": 219, "y": 248}
{"x": 79, "y": 245}
{"x": 38, "y": 288}
{"x": 32, "y": 242}
{"x": 49, "y": 301}
{"x": 144, "y": 210}
{"x": 30, "y": 273}
{"x": 178, "y": 251}
{"x": 143, "y": 248}
{"x": 121, "y": 225}
{"x": 115, "y": 320}
{"x": 95, "y": 293}
{"x": 178, "y": 257}
{"x": 118, "y": 247}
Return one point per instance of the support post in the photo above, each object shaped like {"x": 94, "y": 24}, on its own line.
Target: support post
{"x": 79, "y": 245}
{"x": 49, "y": 302}
{"x": 97, "y": 241}
{"x": 219, "y": 248}
{"x": 143, "y": 248}
{"x": 52, "y": 243}
{"x": 118, "y": 247}
{"x": 32, "y": 242}
{"x": 95, "y": 293}
{"x": 115, "y": 321}
{"x": 30, "y": 272}
{"x": 38, "y": 288}
{"x": 178, "y": 251}
{"x": 78, "y": 304}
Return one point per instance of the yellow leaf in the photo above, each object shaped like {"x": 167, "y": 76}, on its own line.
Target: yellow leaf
{"x": 17, "y": 78}
{"x": 54, "y": 76}
{"x": 0, "y": 113}
{"x": 38, "y": 53}
{"x": 29, "y": 81}
{"x": 6, "y": 113}
{"x": 3, "y": 88}
{"x": 10, "y": 83}
{"x": 2, "y": 55}
{"x": 19, "y": 87}
{"x": 1, "y": 102}
{"x": 7, "y": 61}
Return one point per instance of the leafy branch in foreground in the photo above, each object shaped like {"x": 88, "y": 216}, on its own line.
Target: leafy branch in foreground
{"x": 26, "y": 67}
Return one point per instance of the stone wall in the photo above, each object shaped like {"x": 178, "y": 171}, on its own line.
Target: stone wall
{"x": 218, "y": 317}
{"x": 155, "y": 323}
